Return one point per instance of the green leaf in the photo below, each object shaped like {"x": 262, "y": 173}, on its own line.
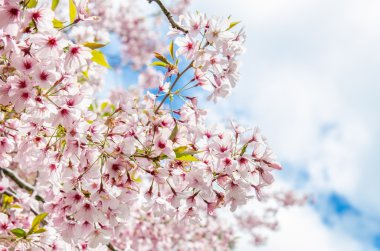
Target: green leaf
{"x": 93, "y": 45}
{"x": 180, "y": 150}
{"x": 174, "y": 133}
{"x": 99, "y": 58}
{"x": 171, "y": 49}
{"x": 86, "y": 193}
{"x": 73, "y": 11}
{"x": 19, "y": 232}
{"x": 186, "y": 157}
{"x": 61, "y": 131}
{"x": 36, "y": 222}
{"x": 15, "y": 206}
{"x": 57, "y": 24}
{"x": 244, "y": 148}
{"x": 7, "y": 199}
{"x": 31, "y": 3}
{"x": 85, "y": 73}
{"x": 161, "y": 58}
{"x": 233, "y": 24}
{"x": 40, "y": 230}
{"x": 158, "y": 63}
{"x": 103, "y": 105}
{"x": 182, "y": 154}
{"x": 54, "y": 4}
{"x": 91, "y": 108}
{"x": 135, "y": 177}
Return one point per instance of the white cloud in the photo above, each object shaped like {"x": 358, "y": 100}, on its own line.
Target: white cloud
{"x": 310, "y": 79}
{"x": 301, "y": 229}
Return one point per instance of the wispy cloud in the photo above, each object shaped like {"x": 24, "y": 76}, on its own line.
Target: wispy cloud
{"x": 310, "y": 79}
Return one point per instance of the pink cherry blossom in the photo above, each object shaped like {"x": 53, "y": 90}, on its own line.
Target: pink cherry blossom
{"x": 42, "y": 17}
{"x": 76, "y": 57}
{"x": 138, "y": 168}
{"x": 162, "y": 143}
{"x": 48, "y": 44}
{"x": 186, "y": 46}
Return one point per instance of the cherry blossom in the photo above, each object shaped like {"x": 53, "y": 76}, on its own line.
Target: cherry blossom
{"x": 48, "y": 45}
{"x": 77, "y": 57}
{"x": 138, "y": 168}
{"x": 42, "y": 17}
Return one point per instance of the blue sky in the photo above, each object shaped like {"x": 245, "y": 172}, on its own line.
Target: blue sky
{"x": 310, "y": 80}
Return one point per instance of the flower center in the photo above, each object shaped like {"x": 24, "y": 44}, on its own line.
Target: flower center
{"x": 14, "y": 12}
{"x": 36, "y": 16}
{"x": 52, "y": 42}
{"x": 74, "y": 50}
{"x": 161, "y": 145}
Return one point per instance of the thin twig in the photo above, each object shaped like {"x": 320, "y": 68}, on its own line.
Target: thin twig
{"x": 168, "y": 16}
{"x": 21, "y": 183}
{"x": 110, "y": 247}
{"x": 172, "y": 86}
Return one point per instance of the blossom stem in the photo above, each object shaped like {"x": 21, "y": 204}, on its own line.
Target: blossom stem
{"x": 172, "y": 86}
{"x": 54, "y": 85}
{"x": 168, "y": 15}
{"x": 71, "y": 24}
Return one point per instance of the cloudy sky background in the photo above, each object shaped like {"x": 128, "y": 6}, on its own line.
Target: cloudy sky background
{"x": 310, "y": 80}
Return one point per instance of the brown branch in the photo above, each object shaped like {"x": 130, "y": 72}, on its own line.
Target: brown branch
{"x": 110, "y": 247}
{"x": 21, "y": 183}
{"x": 168, "y": 15}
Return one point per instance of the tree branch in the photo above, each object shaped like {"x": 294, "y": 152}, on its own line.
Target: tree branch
{"x": 110, "y": 247}
{"x": 168, "y": 15}
{"x": 21, "y": 183}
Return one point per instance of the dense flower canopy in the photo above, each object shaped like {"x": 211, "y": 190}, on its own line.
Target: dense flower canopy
{"x": 129, "y": 172}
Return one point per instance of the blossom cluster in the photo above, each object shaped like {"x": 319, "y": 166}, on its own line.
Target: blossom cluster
{"x": 151, "y": 233}
{"x": 78, "y": 173}
{"x": 213, "y": 47}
